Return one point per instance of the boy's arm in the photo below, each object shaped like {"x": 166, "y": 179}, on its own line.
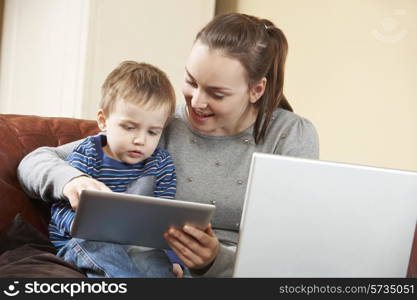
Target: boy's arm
{"x": 62, "y": 216}
{"x": 165, "y": 187}
{"x": 173, "y": 258}
{"x": 80, "y": 158}
{"x": 166, "y": 178}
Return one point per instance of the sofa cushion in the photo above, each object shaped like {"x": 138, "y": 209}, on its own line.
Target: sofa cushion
{"x": 21, "y": 134}
{"x": 25, "y": 252}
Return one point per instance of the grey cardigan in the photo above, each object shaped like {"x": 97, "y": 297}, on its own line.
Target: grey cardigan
{"x": 210, "y": 169}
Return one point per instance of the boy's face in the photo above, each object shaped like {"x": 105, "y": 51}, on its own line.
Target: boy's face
{"x": 133, "y": 131}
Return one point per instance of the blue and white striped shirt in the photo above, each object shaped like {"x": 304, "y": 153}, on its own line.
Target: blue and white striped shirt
{"x": 89, "y": 158}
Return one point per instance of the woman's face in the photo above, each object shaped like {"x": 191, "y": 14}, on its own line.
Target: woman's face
{"x": 219, "y": 101}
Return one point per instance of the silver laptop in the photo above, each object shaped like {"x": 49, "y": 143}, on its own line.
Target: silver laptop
{"x": 310, "y": 218}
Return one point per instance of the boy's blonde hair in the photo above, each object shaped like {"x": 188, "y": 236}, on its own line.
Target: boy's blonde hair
{"x": 137, "y": 83}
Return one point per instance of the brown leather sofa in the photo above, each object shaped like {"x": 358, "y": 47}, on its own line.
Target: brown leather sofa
{"x": 19, "y": 135}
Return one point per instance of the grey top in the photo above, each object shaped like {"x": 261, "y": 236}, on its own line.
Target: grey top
{"x": 210, "y": 169}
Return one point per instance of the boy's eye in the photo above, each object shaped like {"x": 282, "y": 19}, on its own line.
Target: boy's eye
{"x": 128, "y": 127}
{"x": 153, "y": 132}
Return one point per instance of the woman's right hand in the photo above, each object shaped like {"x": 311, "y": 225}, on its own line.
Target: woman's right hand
{"x": 72, "y": 190}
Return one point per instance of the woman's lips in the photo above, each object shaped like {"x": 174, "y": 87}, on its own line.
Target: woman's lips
{"x": 200, "y": 117}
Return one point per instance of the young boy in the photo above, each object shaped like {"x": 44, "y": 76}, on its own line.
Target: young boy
{"x": 137, "y": 102}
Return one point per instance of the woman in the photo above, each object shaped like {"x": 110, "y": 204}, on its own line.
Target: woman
{"x": 235, "y": 106}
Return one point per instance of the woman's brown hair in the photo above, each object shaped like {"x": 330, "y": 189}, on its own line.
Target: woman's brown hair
{"x": 261, "y": 48}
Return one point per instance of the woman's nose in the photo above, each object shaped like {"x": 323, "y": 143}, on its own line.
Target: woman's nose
{"x": 198, "y": 100}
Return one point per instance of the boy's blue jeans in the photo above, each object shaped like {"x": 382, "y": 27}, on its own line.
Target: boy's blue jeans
{"x": 101, "y": 259}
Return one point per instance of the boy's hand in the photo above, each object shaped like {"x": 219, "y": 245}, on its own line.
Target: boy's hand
{"x": 72, "y": 190}
{"x": 177, "y": 270}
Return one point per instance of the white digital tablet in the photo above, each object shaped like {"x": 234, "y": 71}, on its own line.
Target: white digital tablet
{"x": 134, "y": 219}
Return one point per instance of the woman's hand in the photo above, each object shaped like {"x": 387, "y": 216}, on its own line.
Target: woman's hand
{"x": 72, "y": 190}
{"x": 195, "y": 247}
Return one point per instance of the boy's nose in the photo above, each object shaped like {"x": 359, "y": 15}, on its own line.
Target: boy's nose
{"x": 139, "y": 140}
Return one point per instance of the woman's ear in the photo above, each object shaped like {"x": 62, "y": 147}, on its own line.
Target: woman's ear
{"x": 257, "y": 90}
{"x": 101, "y": 120}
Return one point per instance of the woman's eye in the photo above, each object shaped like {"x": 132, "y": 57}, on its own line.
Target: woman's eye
{"x": 153, "y": 133}
{"x": 218, "y": 96}
{"x": 192, "y": 83}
